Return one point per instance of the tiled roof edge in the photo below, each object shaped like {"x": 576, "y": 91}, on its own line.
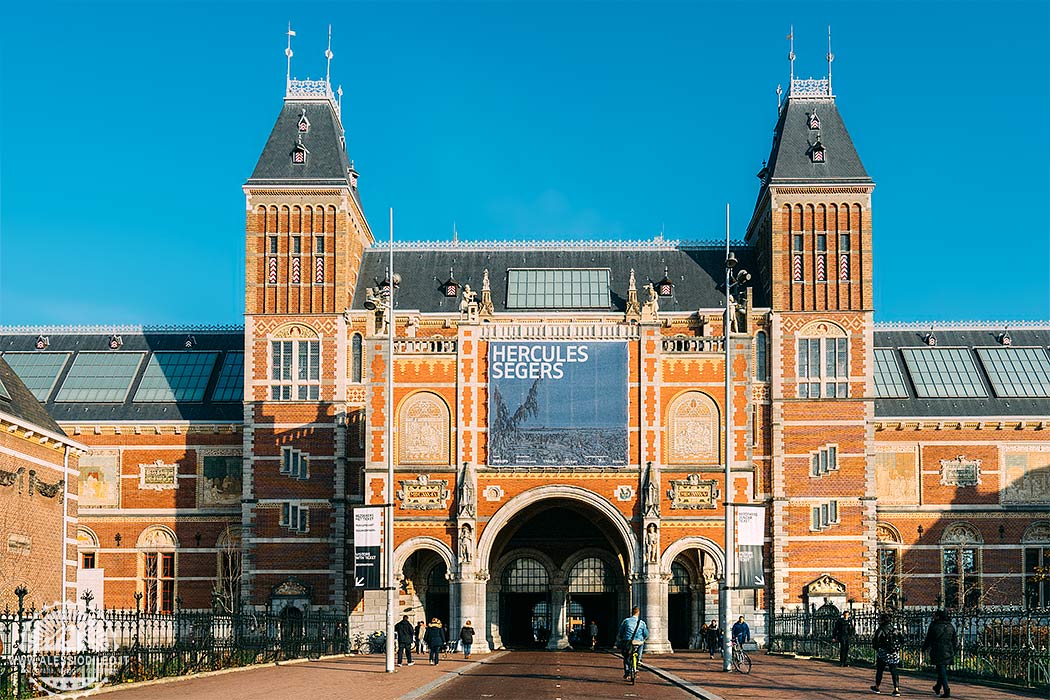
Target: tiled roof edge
{"x": 658, "y": 243}
{"x": 122, "y": 328}
{"x": 960, "y": 325}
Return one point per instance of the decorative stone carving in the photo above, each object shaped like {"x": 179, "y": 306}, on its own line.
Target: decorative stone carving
{"x": 493, "y": 493}
{"x": 466, "y": 501}
{"x": 825, "y": 585}
{"x": 624, "y": 493}
{"x": 960, "y": 471}
{"x": 822, "y": 329}
{"x": 897, "y": 478}
{"x": 466, "y": 544}
{"x": 423, "y": 494}
{"x": 292, "y": 589}
{"x": 158, "y": 476}
{"x": 156, "y": 538}
{"x": 1027, "y": 476}
{"x": 692, "y": 430}
{"x": 652, "y": 543}
{"x": 961, "y": 534}
{"x": 887, "y": 533}
{"x": 43, "y": 488}
{"x": 423, "y": 435}
{"x": 1037, "y": 533}
{"x": 296, "y": 330}
{"x": 18, "y": 543}
{"x": 633, "y": 311}
{"x": 468, "y": 306}
{"x": 486, "y": 296}
{"x": 651, "y": 307}
{"x": 10, "y": 478}
{"x": 651, "y": 505}
{"x": 693, "y": 493}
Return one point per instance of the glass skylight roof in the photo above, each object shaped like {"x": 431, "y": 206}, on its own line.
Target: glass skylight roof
{"x": 5, "y": 395}
{"x": 558, "y": 289}
{"x": 230, "y": 385}
{"x": 100, "y": 376}
{"x": 176, "y": 376}
{"x": 1020, "y": 372}
{"x": 889, "y": 382}
{"x": 943, "y": 373}
{"x": 37, "y": 370}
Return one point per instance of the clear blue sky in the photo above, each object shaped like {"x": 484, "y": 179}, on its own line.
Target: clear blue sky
{"x": 128, "y": 129}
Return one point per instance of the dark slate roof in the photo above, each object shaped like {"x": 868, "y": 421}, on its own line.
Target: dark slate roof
{"x": 134, "y": 341}
{"x": 970, "y": 338}
{"x": 789, "y": 160}
{"x": 326, "y": 161}
{"x": 22, "y": 404}
{"x": 698, "y": 273}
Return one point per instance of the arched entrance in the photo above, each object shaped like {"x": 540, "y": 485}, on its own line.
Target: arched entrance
{"x": 557, "y": 564}
{"x": 425, "y": 586}
{"x": 693, "y": 567}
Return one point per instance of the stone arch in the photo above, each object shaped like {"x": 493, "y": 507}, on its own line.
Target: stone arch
{"x": 591, "y": 553}
{"x": 426, "y": 419}
{"x": 961, "y": 534}
{"x": 157, "y": 537}
{"x": 1037, "y": 533}
{"x": 823, "y": 329}
{"x": 563, "y": 492}
{"x": 680, "y": 545}
{"x": 86, "y": 538}
{"x": 692, "y": 429}
{"x": 412, "y": 545}
{"x": 295, "y": 331}
{"x": 230, "y": 537}
{"x": 888, "y": 534}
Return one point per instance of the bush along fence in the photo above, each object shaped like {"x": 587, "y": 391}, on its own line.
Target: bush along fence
{"x": 78, "y": 647}
{"x": 1004, "y": 646}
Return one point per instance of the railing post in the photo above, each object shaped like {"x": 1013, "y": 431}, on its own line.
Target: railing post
{"x": 21, "y": 592}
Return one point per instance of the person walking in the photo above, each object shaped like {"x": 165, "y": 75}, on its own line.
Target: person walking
{"x": 435, "y": 639}
{"x": 421, "y": 632}
{"x": 466, "y": 638}
{"x": 632, "y": 635}
{"x": 844, "y": 633}
{"x": 713, "y": 639}
{"x": 405, "y": 636}
{"x": 887, "y": 643}
{"x": 741, "y": 632}
{"x": 941, "y": 644}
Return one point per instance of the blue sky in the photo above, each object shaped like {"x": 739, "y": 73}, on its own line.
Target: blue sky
{"x": 128, "y": 129}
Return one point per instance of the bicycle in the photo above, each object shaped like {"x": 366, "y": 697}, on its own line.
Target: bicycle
{"x": 740, "y": 660}
{"x": 632, "y": 664}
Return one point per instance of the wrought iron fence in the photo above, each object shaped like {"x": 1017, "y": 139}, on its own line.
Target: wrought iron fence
{"x": 77, "y": 647}
{"x": 1007, "y": 646}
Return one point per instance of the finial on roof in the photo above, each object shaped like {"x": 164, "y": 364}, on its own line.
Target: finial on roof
{"x": 455, "y": 233}
{"x": 780, "y": 91}
{"x": 791, "y": 52}
{"x": 328, "y": 54}
{"x": 830, "y": 57}
{"x": 288, "y": 53}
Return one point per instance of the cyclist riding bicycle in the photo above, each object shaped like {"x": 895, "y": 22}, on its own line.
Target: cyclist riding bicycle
{"x": 631, "y": 637}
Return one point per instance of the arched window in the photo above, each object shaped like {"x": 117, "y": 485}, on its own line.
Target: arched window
{"x": 1036, "y": 541}
{"x": 525, "y": 575}
{"x": 823, "y": 361}
{"x": 590, "y": 575}
{"x": 761, "y": 360}
{"x": 889, "y": 549}
{"x": 423, "y": 430}
{"x": 679, "y": 579}
{"x": 692, "y": 429}
{"x": 356, "y": 357}
{"x": 157, "y": 568}
{"x": 961, "y": 566}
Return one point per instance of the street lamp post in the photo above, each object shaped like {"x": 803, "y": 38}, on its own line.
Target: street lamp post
{"x": 725, "y": 606}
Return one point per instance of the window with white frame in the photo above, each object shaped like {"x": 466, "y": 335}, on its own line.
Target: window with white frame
{"x": 823, "y": 368}
{"x": 295, "y": 370}
{"x": 1036, "y": 543}
{"x": 295, "y": 517}
{"x": 824, "y": 460}
{"x": 295, "y": 463}
{"x": 824, "y": 515}
{"x": 961, "y": 566}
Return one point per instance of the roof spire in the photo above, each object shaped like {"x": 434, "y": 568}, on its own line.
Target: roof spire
{"x": 455, "y": 233}
{"x": 831, "y": 57}
{"x": 288, "y": 53}
{"x": 328, "y": 54}
{"x": 791, "y": 52}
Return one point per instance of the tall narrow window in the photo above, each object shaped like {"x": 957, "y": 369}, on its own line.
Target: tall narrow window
{"x": 961, "y": 566}
{"x": 356, "y": 358}
{"x": 796, "y": 257}
{"x": 159, "y": 582}
{"x": 761, "y": 357}
{"x": 822, "y": 257}
{"x": 844, "y": 265}
{"x": 823, "y": 368}
{"x": 295, "y": 370}
{"x": 1036, "y": 543}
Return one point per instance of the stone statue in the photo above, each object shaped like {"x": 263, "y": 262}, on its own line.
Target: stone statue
{"x": 485, "y": 279}
{"x": 469, "y": 297}
{"x": 652, "y": 543}
{"x": 651, "y": 307}
{"x": 466, "y": 544}
{"x": 467, "y": 501}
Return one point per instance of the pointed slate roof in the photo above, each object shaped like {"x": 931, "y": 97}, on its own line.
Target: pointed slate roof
{"x": 789, "y": 160}
{"x": 326, "y": 162}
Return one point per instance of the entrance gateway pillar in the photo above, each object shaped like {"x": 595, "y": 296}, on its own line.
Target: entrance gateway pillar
{"x": 559, "y": 617}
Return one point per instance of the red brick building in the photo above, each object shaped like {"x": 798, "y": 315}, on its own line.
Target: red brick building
{"x": 558, "y": 416}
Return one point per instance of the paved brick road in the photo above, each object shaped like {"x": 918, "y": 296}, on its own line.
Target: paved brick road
{"x": 544, "y": 675}
{"x": 779, "y": 678}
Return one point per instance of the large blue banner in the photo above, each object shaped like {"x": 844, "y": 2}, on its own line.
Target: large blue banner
{"x": 558, "y": 404}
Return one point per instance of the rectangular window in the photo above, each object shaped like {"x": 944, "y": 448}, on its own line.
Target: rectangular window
{"x": 100, "y": 377}
{"x": 889, "y": 382}
{"x": 37, "y": 370}
{"x": 822, "y": 242}
{"x": 176, "y": 376}
{"x": 273, "y": 245}
{"x": 558, "y": 289}
{"x": 297, "y": 245}
{"x": 295, "y": 463}
{"x": 1037, "y": 577}
{"x": 961, "y": 577}
{"x": 889, "y": 580}
{"x": 230, "y": 384}
{"x": 943, "y": 373}
{"x": 796, "y": 242}
{"x": 295, "y": 370}
{"x": 159, "y": 582}
{"x": 823, "y": 368}
{"x": 318, "y": 245}
{"x": 824, "y": 460}
{"x": 824, "y": 516}
{"x": 1017, "y": 372}
{"x": 87, "y": 560}
{"x": 295, "y": 517}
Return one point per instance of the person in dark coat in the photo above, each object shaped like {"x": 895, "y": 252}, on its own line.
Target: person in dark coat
{"x": 713, "y": 639}
{"x": 466, "y": 638}
{"x": 844, "y": 633}
{"x": 405, "y": 635}
{"x": 887, "y": 641}
{"x": 941, "y": 645}
{"x": 435, "y": 639}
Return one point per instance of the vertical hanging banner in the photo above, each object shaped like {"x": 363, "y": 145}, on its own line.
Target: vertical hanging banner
{"x": 368, "y": 530}
{"x": 750, "y": 532}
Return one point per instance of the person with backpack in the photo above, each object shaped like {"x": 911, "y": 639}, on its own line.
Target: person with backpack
{"x": 632, "y": 635}
{"x": 887, "y": 642}
{"x": 941, "y": 644}
{"x": 466, "y": 638}
{"x": 844, "y": 633}
{"x": 421, "y": 632}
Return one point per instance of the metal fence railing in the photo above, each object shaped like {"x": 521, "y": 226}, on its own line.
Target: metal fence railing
{"x": 78, "y": 647}
{"x": 1007, "y": 646}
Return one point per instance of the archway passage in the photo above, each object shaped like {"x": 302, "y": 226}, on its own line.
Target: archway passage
{"x": 692, "y": 597}
{"x": 558, "y": 565}
{"x": 425, "y": 586}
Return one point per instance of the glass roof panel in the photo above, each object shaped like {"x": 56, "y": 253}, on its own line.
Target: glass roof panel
{"x": 176, "y": 376}
{"x": 230, "y": 385}
{"x": 1021, "y": 372}
{"x": 889, "y": 382}
{"x": 943, "y": 373}
{"x": 4, "y": 393}
{"x": 558, "y": 289}
{"x": 100, "y": 376}
{"x": 37, "y": 370}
